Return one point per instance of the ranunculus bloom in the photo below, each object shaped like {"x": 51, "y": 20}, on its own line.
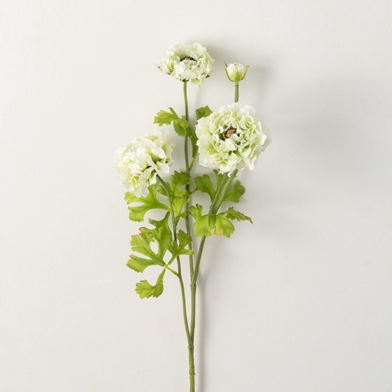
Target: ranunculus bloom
{"x": 231, "y": 138}
{"x": 236, "y": 71}
{"x": 187, "y": 63}
{"x": 141, "y": 160}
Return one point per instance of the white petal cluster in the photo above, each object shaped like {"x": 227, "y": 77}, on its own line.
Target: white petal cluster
{"x": 231, "y": 138}
{"x": 141, "y": 160}
{"x": 187, "y": 63}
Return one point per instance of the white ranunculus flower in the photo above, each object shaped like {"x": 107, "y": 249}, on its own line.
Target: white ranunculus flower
{"x": 141, "y": 160}
{"x": 187, "y": 63}
{"x": 236, "y": 71}
{"x": 231, "y": 138}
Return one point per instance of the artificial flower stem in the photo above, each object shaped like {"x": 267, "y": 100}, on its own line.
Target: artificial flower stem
{"x": 186, "y": 152}
{"x": 188, "y": 169}
{"x": 222, "y": 188}
{"x": 221, "y": 197}
{"x": 191, "y": 347}
{"x": 237, "y": 92}
{"x": 179, "y": 274}
{"x": 218, "y": 200}
{"x": 186, "y": 101}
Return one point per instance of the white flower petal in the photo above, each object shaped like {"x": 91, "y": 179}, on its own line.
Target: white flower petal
{"x": 231, "y": 138}
{"x": 187, "y": 63}
{"x": 139, "y": 162}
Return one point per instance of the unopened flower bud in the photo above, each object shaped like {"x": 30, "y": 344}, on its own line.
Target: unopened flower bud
{"x": 236, "y": 71}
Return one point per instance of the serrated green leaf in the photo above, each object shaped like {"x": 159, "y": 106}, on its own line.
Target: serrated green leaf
{"x": 179, "y": 195}
{"x": 180, "y": 126}
{"x": 223, "y": 226}
{"x": 141, "y": 243}
{"x": 204, "y": 184}
{"x": 180, "y": 247}
{"x": 178, "y": 203}
{"x": 202, "y": 224}
{"x": 139, "y": 264}
{"x": 183, "y": 238}
{"x": 193, "y": 138}
{"x": 165, "y": 118}
{"x": 235, "y": 193}
{"x": 145, "y": 290}
{"x": 150, "y": 202}
{"x": 205, "y": 111}
{"x": 179, "y": 179}
{"x": 232, "y": 214}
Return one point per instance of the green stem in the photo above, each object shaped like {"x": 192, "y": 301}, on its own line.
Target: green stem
{"x": 191, "y": 347}
{"x": 179, "y": 274}
{"x": 192, "y": 374}
{"x": 217, "y": 202}
{"x": 188, "y": 169}
{"x": 186, "y": 101}
{"x": 186, "y": 152}
{"x": 237, "y": 92}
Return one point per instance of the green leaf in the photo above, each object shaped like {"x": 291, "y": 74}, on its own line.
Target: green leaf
{"x": 203, "y": 112}
{"x": 204, "y": 184}
{"x": 178, "y": 203}
{"x": 165, "y": 118}
{"x": 179, "y": 196}
{"x": 180, "y": 247}
{"x": 184, "y": 239}
{"x": 223, "y": 226}
{"x": 193, "y": 139}
{"x": 232, "y": 214}
{"x": 235, "y": 193}
{"x": 202, "y": 224}
{"x": 149, "y": 202}
{"x": 141, "y": 243}
{"x": 179, "y": 179}
{"x": 145, "y": 290}
{"x": 180, "y": 126}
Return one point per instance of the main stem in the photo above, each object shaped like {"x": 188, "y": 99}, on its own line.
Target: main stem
{"x": 194, "y": 269}
{"x": 191, "y": 340}
{"x": 188, "y": 169}
{"x": 218, "y": 200}
{"x": 183, "y": 297}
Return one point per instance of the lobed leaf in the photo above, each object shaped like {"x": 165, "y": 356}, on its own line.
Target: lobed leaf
{"x": 235, "y": 193}
{"x": 179, "y": 179}
{"x": 141, "y": 243}
{"x": 165, "y": 118}
{"x": 202, "y": 224}
{"x": 180, "y": 247}
{"x": 145, "y": 290}
{"x": 232, "y": 214}
{"x": 204, "y": 111}
{"x": 223, "y": 226}
{"x": 150, "y": 202}
{"x": 204, "y": 184}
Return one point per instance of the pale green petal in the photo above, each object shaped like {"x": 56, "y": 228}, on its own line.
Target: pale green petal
{"x": 139, "y": 163}
{"x": 231, "y": 138}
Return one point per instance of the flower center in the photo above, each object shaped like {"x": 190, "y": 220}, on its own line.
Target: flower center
{"x": 228, "y": 133}
{"x": 188, "y": 58}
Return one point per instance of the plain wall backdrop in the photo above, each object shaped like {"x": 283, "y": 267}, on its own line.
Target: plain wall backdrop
{"x": 301, "y": 301}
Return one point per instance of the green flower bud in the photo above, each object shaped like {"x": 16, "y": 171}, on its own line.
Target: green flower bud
{"x": 236, "y": 71}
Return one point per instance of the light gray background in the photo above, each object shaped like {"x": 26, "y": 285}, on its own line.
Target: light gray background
{"x": 299, "y": 302}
